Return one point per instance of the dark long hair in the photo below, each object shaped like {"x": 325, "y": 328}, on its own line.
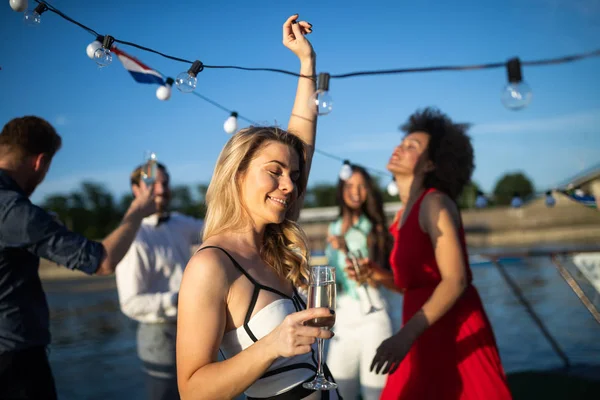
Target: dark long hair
{"x": 380, "y": 241}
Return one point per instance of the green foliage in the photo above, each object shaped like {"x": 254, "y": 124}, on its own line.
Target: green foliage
{"x": 512, "y": 183}
{"x": 94, "y": 212}
{"x": 321, "y": 195}
{"x": 468, "y": 196}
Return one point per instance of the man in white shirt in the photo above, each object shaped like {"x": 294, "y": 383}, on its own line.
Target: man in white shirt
{"x": 148, "y": 280}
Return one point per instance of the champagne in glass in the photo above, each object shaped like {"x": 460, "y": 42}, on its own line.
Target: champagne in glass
{"x": 322, "y": 296}
{"x": 149, "y": 168}
{"x": 361, "y": 276}
{"x": 321, "y": 293}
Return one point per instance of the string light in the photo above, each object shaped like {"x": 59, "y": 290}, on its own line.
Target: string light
{"x": 321, "y": 102}
{"x": 513, "y": 67}
{"x": 33, "y": 18}
{"x": 230, "y": 125}
{"x": 186, "y": 81}
{"x": 102, "y": 55}
{"x": 549, "y": 61}
{"x": 392, "y": 187}
{"x": 346, "y": 171}
{"x": 92, "y": 47}
{"x": 18, "y": 5}
{"x": 164, "y": 92}
{"x": 517, "y": 93}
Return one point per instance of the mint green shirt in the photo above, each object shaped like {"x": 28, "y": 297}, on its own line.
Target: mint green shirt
{"x": 356, "y": 239}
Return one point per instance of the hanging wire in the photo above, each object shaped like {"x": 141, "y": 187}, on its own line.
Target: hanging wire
{"x": 547, "y": 61}
{"x": 252, "y": 122}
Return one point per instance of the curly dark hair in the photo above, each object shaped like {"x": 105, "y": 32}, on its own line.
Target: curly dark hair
{"x": 380, "y": 240}
{"x": 449, "y": 149}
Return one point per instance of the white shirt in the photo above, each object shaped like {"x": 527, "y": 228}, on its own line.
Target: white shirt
{"x": 149, "y": 276}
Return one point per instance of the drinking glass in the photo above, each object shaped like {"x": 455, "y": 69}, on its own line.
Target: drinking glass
{"x": 149, "y": 168}
{"x": 321, "y": 293}
{"x": 355, "y": 258}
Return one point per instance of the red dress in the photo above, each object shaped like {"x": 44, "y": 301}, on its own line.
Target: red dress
{"x": 455, "y": 358}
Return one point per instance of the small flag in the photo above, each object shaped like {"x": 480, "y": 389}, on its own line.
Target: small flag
{"x": 139, "y": 71}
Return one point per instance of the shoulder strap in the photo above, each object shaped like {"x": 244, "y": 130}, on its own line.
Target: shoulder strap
{"x": 235, "y": 263}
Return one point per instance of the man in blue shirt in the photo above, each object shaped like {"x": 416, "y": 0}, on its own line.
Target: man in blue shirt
{"x": 27, "y": 232}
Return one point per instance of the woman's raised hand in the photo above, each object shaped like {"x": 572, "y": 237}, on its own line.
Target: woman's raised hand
{"x": 294, "y": 32}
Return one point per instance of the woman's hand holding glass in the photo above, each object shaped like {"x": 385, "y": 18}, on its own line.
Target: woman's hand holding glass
{"x": 361, "y": 270}
{"x": 293, "y": 337}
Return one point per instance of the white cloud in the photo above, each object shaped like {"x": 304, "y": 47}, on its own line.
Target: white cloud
{"x": 557, "y": 124}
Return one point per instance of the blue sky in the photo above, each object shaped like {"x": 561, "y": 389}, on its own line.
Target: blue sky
{"x": 100, "y": 113}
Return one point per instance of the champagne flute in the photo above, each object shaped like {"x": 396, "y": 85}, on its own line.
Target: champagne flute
{"x": 321, "y": 293}
{"x": 355, "y": 258}
{"x": 149, "y": 168}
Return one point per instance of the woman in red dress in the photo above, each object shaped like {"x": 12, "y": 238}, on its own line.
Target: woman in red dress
{"x": 446, "y": 348}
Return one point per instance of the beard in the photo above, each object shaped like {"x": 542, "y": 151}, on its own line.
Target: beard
{"x": 162, "y": 204}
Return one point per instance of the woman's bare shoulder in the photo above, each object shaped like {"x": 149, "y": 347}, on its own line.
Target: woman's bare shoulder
{"x": 435, "y": 204}
{"x": 211, "y": 263}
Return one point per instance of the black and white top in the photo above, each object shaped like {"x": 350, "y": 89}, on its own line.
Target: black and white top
{"x": 283, "y": 380}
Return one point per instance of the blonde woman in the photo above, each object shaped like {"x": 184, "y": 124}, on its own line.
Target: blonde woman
{"x": 239, "y": 295}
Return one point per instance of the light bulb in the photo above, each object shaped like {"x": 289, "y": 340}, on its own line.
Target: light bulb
{"x": 92, "y": 47}
{"x": 230, "y": 124}
{"x": 321, "y": 101}
{"x": 517, "y": 93}
{"x": 164, "y": 92}
{"x": 102, "y": 55}
{"x": 18, "y": 5}
{"x": 31, "y": 18}
{"x": 480, "y": 201}
{"x": 516, "y": 96}
{"x": 392, "y": 188}
{"x": 34, "y": 17}
{"x": 550, "y": 200}
{"x": 346, "y": 171}
{"x": 187, "y": 81}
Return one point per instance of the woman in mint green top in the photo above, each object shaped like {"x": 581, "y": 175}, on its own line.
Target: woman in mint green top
{"x": 355, "y": 238}
{"x": 361, "y": 225}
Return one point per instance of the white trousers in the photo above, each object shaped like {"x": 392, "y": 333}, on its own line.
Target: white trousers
{"x": 357, "y": 337}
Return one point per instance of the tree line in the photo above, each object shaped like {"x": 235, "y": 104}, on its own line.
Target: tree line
{"x": 94, "y": 212}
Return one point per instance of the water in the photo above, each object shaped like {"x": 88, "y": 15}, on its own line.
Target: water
{"x": 93, "y": 354}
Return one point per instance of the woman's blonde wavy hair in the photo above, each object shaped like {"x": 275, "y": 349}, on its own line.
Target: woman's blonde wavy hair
{"x": 285, "y": 246}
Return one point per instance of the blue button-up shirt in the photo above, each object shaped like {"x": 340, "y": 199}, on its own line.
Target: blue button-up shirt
{"x": 27, "y": 232}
